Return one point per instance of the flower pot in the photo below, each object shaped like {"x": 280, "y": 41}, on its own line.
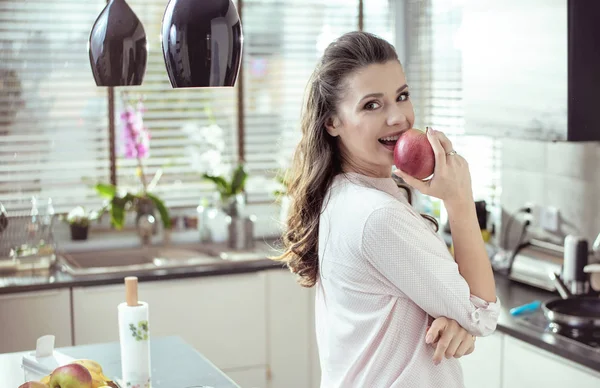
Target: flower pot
{"x": 79, "y": 232}
{"x": 234, "y": 206}
{"x": 145, "y": 218}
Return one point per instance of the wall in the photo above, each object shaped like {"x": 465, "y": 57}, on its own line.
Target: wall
{"x": 564, "y": 175}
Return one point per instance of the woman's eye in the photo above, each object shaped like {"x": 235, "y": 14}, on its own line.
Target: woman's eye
{"x": 371, "y": 105}
{"x": 403, "y": 96}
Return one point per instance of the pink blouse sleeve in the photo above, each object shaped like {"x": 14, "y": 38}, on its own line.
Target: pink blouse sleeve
{"x": 409, "y": 255}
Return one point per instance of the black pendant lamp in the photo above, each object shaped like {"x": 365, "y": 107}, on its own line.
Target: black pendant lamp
{"x": 202, "y": 43}
{"x": 118, "y": 47}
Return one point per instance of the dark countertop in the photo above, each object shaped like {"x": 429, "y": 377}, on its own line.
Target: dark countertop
{"x": 513, "y": 294}
{"x": 55, "y": 279}
{"x": 175, "y": 364}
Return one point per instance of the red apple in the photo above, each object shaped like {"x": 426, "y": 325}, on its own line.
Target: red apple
{"x": 71, "y": 376}
{"x": 413, "y": 154}
{"x": 33, "y": 384}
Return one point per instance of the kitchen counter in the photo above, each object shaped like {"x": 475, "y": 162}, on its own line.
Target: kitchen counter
{"x": 26, "y": 281}
{"x": 174, "y": 364}
{"x": 511, "y": 294}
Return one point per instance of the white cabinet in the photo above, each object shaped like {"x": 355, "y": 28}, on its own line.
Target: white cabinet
{"x": 538, "y": 38}
{"x": 24, "y": 317}
{"x": 526, "y": 366}
{"x": 223, "y": 317}
{"x": 290, "y": 331}
{"x": 482, "y": 368}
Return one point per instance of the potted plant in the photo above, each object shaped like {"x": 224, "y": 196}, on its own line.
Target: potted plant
{"x": 135, "y": 145}
{"x": 79, "y": 222}
{"x": 230, "y": 189}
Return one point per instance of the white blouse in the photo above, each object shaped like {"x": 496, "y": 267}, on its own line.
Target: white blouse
{"x": 383, "y": 272}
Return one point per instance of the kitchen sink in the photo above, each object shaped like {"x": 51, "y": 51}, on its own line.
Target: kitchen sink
{"x": 133, "y": 260}
{"x": 152, "y": 258}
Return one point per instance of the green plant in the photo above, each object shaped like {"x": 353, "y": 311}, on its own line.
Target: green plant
{"x": 229, "y": 188}
{"x": 119, "y": 204}
{"x": 282, "y": 178}
{"x": 136, "y": 146}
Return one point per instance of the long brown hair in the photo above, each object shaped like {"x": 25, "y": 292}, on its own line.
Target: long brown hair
{"x": 317, "y": 159}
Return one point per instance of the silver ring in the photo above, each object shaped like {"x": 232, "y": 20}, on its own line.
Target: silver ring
{"x": 451, "y": 153}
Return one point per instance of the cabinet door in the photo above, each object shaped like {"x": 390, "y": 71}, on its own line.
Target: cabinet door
{"x": 526, "y": 366}
{"x": 24, "y": 317}
{"x": 289, "y": 331}
{"x": 482, "y": 368}
{"x": 223, "y": 317}
{"x": 248, "y": 377}
{"x": 533, "y": 50}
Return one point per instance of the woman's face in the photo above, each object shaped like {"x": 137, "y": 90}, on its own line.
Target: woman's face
{"x": 374, "y": 110}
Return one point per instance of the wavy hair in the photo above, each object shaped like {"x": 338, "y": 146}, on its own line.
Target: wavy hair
{"x": 317, "y": 158}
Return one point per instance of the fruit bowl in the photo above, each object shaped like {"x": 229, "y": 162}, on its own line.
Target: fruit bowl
{"x": 74, "y": 374}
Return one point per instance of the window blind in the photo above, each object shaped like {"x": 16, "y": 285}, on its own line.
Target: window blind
{"x": 53, "y": 121}
{"x": 434, "y": 72}
{"x": 283, "y": 41}
{"x": 184, "y": 125}
{"x": 379, "y": 18}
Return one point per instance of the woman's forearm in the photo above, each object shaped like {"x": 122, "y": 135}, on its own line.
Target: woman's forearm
{"x": 469, "y": 250}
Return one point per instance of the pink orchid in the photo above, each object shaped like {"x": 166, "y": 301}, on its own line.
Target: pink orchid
{"x": 135, "y": 136}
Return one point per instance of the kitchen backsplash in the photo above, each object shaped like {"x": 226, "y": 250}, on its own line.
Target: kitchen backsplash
{"x": 563, "y": 175}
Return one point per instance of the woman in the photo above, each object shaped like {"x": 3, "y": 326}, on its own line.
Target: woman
{"x": 382, "y": 273}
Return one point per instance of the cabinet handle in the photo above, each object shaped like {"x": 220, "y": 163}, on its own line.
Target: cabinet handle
{"x": 269, "y": 373}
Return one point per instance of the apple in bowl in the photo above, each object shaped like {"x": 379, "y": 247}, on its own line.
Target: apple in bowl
{"x": 70, "y": 376}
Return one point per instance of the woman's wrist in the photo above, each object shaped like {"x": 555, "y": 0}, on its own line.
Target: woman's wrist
{"x": 459, "y": 205}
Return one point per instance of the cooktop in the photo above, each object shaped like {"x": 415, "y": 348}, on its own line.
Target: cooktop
{"x": 590, "y": 338}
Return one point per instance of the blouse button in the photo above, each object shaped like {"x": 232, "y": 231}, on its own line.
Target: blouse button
{"x": 475, "y": 315}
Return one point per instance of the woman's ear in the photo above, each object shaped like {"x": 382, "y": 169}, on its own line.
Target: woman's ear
{"x": 333, "y": 126}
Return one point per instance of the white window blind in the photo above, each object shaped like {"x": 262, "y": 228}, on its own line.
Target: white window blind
{"x": 59, "y": 136}
{"x": 283, "y": 41}
{"x": 434, "y": 72}
{"x": 53, "y": 120}
{"x": 178, "y": 120}
{"x": 379, "y": 18}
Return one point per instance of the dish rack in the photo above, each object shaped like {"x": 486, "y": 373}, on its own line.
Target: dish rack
{"x": 26, "y": 238}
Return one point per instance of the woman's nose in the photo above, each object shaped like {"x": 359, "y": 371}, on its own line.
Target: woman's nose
{"x": 398, "y": 115}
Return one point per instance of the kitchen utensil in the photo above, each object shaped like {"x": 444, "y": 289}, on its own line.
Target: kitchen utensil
{"x": 575, "y": 259}
{"x": 574, "y": 312}
{"x": 526, "y": 308}
{"x": 594, "y": 271}
{"x": 560, "y": 286}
